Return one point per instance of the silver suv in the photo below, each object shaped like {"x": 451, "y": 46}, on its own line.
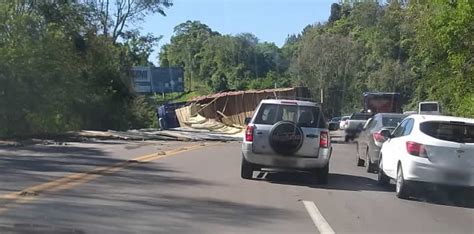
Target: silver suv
{"x": 289, "y": 134}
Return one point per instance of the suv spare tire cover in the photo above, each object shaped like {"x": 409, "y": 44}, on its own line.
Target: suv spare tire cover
{"x": 286, "y": 138}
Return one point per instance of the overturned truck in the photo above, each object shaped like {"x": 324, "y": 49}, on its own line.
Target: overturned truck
{"x": 230, "y": 108}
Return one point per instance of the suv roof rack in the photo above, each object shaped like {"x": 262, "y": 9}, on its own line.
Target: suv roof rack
{"x": 291, "y": 98}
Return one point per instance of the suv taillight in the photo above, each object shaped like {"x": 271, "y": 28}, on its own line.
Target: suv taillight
{"x": 323, "y": 140}
{"x": 378, "y": 137}
{"x": 249, "y": 133}
{"x": 416, "y": 149}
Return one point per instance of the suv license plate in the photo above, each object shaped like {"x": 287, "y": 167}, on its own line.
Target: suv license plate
{"x": 281, "y": 162}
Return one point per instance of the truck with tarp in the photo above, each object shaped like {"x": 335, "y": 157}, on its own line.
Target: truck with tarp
{"x": 382, "y": 102}
{"x": 373, "y": 102}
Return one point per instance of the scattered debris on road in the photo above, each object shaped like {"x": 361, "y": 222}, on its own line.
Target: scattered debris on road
{"x": 176, "y": 134}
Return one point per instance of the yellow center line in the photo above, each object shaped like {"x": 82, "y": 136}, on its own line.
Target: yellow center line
{"x": 10, "y": 200}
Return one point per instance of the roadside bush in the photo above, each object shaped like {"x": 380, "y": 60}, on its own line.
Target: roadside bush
{"x": 143, "y": 113}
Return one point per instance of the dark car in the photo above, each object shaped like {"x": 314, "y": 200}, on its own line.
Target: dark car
{"x": 370, "y": 139}
{"x": 334, "y": 123}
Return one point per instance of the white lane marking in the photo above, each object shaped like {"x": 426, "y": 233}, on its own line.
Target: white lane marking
{"x": 321, "y": 224}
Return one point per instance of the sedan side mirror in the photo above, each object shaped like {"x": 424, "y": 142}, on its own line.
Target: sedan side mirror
{"x": 386, "y": 133}
{"x": 247, "y": 120}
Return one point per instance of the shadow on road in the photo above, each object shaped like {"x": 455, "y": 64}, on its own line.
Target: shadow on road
{"x": 27, "y": 166}
{"x": 446, "y": 196}
{"x": 141, "y": 198}
{"x": 54, "y": 159}
{"x": 336, "y": 181}
{"x": 35, "y": 165}
{"x": 151, "y": 175}
{"x": 59, "y": 149}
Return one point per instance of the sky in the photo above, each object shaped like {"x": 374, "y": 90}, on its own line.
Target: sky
{"x": 269, "y": 20}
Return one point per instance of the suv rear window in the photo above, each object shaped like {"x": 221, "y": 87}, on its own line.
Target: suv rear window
{"x": 304, "y": 116}
{"x": 449, "y": 131}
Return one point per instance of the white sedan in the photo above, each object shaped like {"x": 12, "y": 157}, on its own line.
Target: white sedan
{"x": 430, "y": 149}
{"x": 343, "y": 123}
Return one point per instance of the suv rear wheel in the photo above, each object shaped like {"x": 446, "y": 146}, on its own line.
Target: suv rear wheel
{"x": 323, "y": 174}
{"x": 246, "y": 169}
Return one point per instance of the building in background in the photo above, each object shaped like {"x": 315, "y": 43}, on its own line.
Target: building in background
{"x": 157, "y": 79}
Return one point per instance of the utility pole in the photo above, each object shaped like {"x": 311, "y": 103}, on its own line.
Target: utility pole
{"x": 322, "y": 96}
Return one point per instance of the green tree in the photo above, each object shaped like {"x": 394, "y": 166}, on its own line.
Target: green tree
{"x": 139, "y": 47}
{"x": 220, "y": 62}
{"x": 59, "y": 73}
{"x": 441, "y": 53}
{"x": 185, "y": 45}
{"x": 113, "y": 16}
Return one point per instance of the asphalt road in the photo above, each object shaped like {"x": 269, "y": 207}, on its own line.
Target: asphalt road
{"x": 196, "y": 188}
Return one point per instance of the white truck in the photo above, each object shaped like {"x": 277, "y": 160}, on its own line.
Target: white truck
{"x": 355, "y": 124}
{"x": 429, "y": 108}
{"x": 426, "y": 108}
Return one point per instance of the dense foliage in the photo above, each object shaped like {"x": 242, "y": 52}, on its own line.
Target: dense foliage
{"x": 64, "y": 65}
{"x": 215, "y": 62}
{"x": 422, "y": 49}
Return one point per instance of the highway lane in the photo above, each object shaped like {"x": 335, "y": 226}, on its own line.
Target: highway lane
{"x": 200, "y": 191}
{"x": 22, "y": 167}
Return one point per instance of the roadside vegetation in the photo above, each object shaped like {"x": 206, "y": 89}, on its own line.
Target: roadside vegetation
{"x": 64, "y": 65}
{"x": 422, "y": 49}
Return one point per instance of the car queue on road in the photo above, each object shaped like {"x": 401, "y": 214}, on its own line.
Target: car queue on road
{"x": 416, "y": 150}
{"x": 411, "y": 149}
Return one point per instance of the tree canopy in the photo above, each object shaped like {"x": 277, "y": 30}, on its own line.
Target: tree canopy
{"x": 215, "y": 62}
{"x": 422, "y": 50}
{"x": 60, "y": 71}
{"x": 65, "y": 65}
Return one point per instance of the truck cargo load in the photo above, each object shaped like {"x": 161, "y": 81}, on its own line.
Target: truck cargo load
{"x": 380, "y": 102}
